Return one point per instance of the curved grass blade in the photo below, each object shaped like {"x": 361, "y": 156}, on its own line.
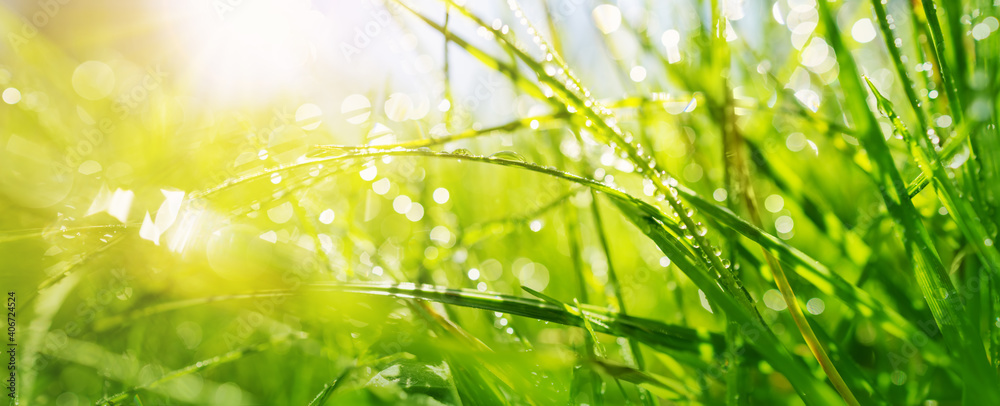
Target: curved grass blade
{"x": 969, "y": 221}
{"x": 820, "y": 276}
{"x": 758, "y": 335}
{"x": 651, "y": 332}
{"x": 329, "y": 388}
{"x": 932, "y": 278}
{"x": 573, "y": 93}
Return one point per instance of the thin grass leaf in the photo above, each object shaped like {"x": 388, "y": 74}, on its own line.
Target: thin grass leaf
{"x": 930, "y": 274}
{"x": 966, "y": 217}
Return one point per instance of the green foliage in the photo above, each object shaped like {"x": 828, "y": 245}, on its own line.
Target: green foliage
{"x": 672, "y": 177}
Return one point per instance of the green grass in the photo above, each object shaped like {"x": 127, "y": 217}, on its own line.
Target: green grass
{"x": 762, "y": 214}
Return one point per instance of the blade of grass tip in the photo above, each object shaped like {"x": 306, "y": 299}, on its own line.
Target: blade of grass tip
{"x": 941, "y": 295}
{"x": 329, "y": 388}
{"x": 663, "y": 386}
{"x": 597, "y": 348}
{"x": 577, "y": 310}
{"x": 961, "y": 209}
{"x": 448, "y": 328}
{"x": 598, "y": 359}
{"x": 951, "y": 147}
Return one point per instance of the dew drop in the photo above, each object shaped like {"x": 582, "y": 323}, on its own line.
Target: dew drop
{"x": 508, "y": 156}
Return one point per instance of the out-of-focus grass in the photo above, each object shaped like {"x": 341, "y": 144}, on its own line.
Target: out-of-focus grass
{"x": 585, "y": 203}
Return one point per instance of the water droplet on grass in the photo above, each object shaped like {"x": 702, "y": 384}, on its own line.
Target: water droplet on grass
{"x": 508, "y": 156}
